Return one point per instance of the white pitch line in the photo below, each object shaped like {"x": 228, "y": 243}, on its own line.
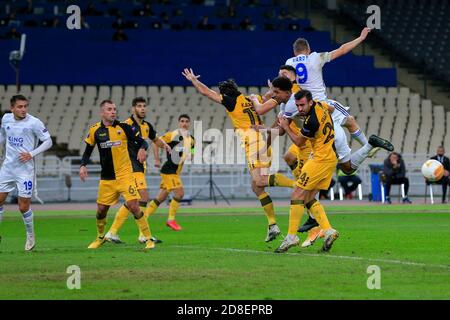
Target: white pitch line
{"x": 324, "y": 255}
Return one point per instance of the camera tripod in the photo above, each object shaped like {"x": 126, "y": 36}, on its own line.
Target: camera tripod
{"x": 213, "y": 187}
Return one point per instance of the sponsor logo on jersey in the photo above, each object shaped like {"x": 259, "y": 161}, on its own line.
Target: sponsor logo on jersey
{"x": 110, "y": 144}
{"x": 15, "y": 141}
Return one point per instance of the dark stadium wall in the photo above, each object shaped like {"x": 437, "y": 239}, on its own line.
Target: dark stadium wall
{"x": 90, "y": 57}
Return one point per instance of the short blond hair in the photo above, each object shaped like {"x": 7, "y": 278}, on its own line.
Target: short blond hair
{"x": 300, "y": 45}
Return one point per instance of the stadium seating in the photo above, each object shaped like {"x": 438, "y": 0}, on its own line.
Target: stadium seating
{"x": 394, "y": 113}
{"x": 415, "y": 29}
{"x": 181, "y": 15}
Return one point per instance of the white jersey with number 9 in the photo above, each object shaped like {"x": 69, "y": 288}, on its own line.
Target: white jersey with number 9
{"x": 309, "y": 72}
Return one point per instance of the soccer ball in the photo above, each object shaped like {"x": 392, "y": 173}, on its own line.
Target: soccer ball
{"x": 433, "y": 170}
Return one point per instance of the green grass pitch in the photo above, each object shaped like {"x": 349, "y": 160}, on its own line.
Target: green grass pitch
{"x": 221, "y": 254}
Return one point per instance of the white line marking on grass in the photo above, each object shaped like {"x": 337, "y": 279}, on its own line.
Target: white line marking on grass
{"x": 324, "y": 255}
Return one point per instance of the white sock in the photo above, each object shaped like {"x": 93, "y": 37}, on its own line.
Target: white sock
{"x": 360, "y": 155}
{"x": 359, "y": 136}
{"x": 1, "y": 214}
{"x": 28, "y": 221}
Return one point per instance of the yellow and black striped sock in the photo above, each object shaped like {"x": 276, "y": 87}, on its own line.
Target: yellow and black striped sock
{"x": 151, "y": 208}
{"x": 267, "y": 204}
{"x": 143, "y": 208}
{"x": 101, "y": 224}
{"x": 143, "y": 205}
{"x": 119, "y": 219}
{"x": 280, "y": 180}
{"x": 318, "y": 211}
{"x": 173, "y": 207}
{"x": 143, "y": 226}
{"x": 295, "y": 216}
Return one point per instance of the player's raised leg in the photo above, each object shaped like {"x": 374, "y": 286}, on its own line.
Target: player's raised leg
{"x": 362, "y": 153}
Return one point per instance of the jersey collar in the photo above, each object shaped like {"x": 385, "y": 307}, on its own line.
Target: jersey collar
{"x": 115, "y": 123}
{"x": 135, "y": 122}
{"x": 312, "y": 107}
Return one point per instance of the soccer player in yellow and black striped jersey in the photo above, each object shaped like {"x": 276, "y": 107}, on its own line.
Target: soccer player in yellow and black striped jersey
{"x": 317, "y": 172}
{"x": 143, "y": 129}
{"x": 242, "y": 114}
{"x": 120, "y": 151}
{"x": 182, "y": 144}
{"x": 295, "y": 156}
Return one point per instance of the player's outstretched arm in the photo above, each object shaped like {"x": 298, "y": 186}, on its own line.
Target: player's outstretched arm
{"x": 262, "y": 108}
{"x": 349, "y": 46}
{"x": 201, "y": 88}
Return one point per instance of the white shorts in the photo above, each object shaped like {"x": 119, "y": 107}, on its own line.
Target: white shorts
{"x": 340, "y": 113}
{"x": 23, "y": 182}
{"x": 341, "y": 144}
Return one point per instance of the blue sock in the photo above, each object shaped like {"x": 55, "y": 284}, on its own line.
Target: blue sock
{"x": 1, "y": 213}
